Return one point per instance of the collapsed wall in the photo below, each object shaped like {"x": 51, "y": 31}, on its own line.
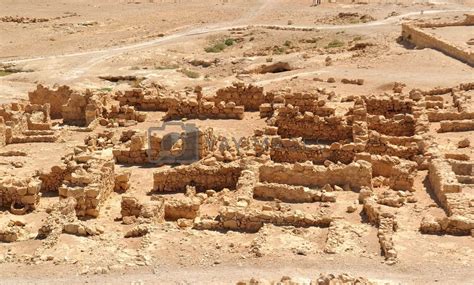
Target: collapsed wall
{"x": 19, "y": 194}
{"x": 252, "y": 219}
{"x": 290, "y": 193}
{"x": 354, "y": 175}
{"x": 90, "y": 183}
{"x": 55, "y": 97}
{"x": 132, "y": 207}
{"x": 400, "y": 173}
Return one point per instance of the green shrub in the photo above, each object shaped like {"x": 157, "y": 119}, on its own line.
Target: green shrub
{"x": 335, "y": 44}
{"x": 216, "y": 48}
{"x": 5, "y": 73}
{"x": 163, "y": 67}
{"x": 229, "y": 42}
{"x": 190, "y": 73}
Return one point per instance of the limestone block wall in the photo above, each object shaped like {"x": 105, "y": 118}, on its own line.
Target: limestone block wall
{"x": 249, "y": 96}
{"x": 252, "y": 219}
{"x": 125, "y": 112}
{"x": 291, "y": 123}
{"x": 409, "y": 148}
{"x": 200, "y": 109}
{"x": 81, "y": 109}
{"x": 453, "y": 195}
{"x": 25, "y": 123}
{"x": 424, "y": 39}
{"x": 138, "y": 150}
{"x": 55, "y": 97}
{"x": 132, "y": 207}
{"x": 308, "y": 102}
{"x": 398, "y": 125}
{"x": 441, "y": 115}
{"x": 38, "y": 116}
{"x": 23, "y": 191}
{"x": 144, "y": 99}
{"x": 443, "y": 180}
{"x": 182, "y": 208}
{"x": 290, "y": 193}
{"x": 355, "y": 175}
{"x": 145, "y": 148}
{"x": 201, "y": 176}
{"x": 401, "y": 173}
{"x": 388, "y": 106}
{"x": 53, "y": 179}
{"x": 294, "y": 150}
{"x": 91, "y": 183}
{"x": 456, "y": 126}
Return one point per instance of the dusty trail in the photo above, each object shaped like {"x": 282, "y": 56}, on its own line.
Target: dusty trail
{"x": 114, "y": 51}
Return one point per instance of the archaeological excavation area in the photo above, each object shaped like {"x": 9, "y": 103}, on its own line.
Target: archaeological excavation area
{"x": 237, "y": 142}
{"x": 372, "y": 171}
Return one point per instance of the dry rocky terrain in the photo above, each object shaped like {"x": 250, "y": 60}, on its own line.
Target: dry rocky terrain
{"x": 236, "y": 142}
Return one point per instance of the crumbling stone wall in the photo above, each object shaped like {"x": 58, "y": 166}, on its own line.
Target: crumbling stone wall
{"x": 19, "y": 193}
{"x": 354, "y": 175}
{"x": 145, "y": 99}
{"x": 90, "y": 184}
{"x": 398, "y": 125}
{"x": 182, "y": 208}
{"x": 123, "y": 113}
{"x": 27, "y": 123}
{"x": 200, "y": 109}
{"x": 132, "y": 207}
{"x": 400, "y": 173}
{"x": 203, "y": 177}
{"x": 409, "y": 148}
{"x": 53, "y": 179}
{"x": 55, "y": 97}
{"x": 248, "y": 96}
{"x": 295, "y": 150}
{"x": 453, "y": 195}
{"x": 388, "y": 106}
{"x": 291, "y": 193}
{"x": 81, "y": 109}
{"x": 252, "y": 219}
{"x": 291, "y": 123}
{"x": 387, "y": 225}
{"x": 456, "y": 126}
{"x": 307, "y": 102}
